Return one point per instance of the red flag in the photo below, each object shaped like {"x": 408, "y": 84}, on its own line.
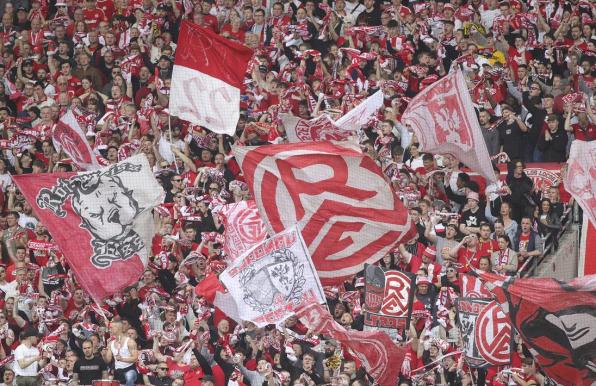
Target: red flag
{"x": 443, "y": 118}
{"x": 347, "y": 212}
{"x": 472, "y": 287}
{"x": 207, "y": 77}
{"x": 209, "y": 287}
{"x": 380, "y": 357}
{"x": 101, "y": 220}
{"x": 243, "y": 227}
{"x": 68, "y": 136}
{"x": 580, "y": 178}
{"x": 556, "y": 321}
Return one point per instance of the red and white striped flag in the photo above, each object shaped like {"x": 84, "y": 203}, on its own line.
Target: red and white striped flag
{"x": 443, "y": 118}
{"x": 68, "y": 136}
{"x": 207, "y": 78}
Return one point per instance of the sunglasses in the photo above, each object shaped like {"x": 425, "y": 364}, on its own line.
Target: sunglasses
{"x": 177, "y": 180}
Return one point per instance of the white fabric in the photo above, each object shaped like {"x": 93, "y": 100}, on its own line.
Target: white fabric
{"x": 204, "y": 100}
{"x": 273, "y": 278}
{"x": 123, "y": 351}
{"x": 24, "y": 352}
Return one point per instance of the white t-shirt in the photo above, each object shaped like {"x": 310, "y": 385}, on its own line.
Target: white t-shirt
{"x": 24, "y": 352}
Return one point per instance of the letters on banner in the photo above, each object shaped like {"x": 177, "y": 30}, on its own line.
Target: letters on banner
{"x": 101, "y": 220}
{"x": 271, "y": 280}
{"x": 388, "y": 300}
{"x": 485, "y": 329}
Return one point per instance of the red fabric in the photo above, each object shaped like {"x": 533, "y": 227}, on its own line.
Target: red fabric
{"x": 554, "y": 318}
{"x": 71, "y": 205}
{"x": 209, "y": 287}
{"x": 227, "y": 60}
{"x": 350, "y": 203}
{"x": 374, "y": 348}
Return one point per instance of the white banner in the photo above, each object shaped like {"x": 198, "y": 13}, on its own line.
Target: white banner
{"x": 271, "y": 280}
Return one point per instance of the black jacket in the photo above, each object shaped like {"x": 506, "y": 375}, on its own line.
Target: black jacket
{"x": 555, "y": 149}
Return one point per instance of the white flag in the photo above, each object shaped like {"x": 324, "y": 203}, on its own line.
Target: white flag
{"x": 273, "y": 278}
{"x": 580, "y": 178}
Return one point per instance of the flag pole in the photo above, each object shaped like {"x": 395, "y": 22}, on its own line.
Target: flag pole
{"x": 171, "y": 143}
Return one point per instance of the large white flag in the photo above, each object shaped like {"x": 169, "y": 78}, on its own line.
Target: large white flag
{"x": 359, "y": 115}
{"x": 443, "y": 118}
{"x": 272, "y": 279}
{"x": 207, "y": 77}
{"x": 580, "y": 178}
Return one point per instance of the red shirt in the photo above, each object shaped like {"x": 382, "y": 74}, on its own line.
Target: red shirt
{"x": 486, "y": 248}
{"x": 464, "y": 255}
{"x": 107, "y": 6}
{"x": 587, "y": 134}
{"x": 93, "y": 17}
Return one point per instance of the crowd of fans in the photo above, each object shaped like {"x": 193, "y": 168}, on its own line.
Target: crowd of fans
{"x": 530, "y": 68}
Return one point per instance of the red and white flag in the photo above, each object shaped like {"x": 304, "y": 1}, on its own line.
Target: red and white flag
{"x": 472, "y": 287}
{"x": 381, "y": 358}
{"x": 68, "y": 136}
{"x": 101, "y": 220}
{"x": 580, "y": 178}
{"x": 243, "y": 227}
{"x": 555, "y": 320}
{"x": 443, "y": 118}
{"x": 207, "y": 77}
{"x": 318, "y": 129}
{"x": 271, "y": 280}
{"x": 347, "y": 212}
{"x": 323, "y": 128}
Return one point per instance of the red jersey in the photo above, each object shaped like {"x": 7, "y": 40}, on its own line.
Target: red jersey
{"x": 467, "y": 258}
{"x": 486, "y": 248}
{"x": 587, "y": 134}
{"x": 107, "y": 6}
{"x": 93, "y": 17}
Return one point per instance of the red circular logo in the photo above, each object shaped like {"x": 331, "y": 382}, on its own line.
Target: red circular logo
{"x": 493, "y": 335}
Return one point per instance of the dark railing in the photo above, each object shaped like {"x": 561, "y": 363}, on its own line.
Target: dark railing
{"x": 530, "y": 266}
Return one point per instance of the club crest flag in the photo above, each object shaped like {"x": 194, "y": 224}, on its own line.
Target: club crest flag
{"x": 321, "y": 128}
{"x": 207, "y": 77}
{"x": 556, "y": 321}
{"x": 443, "y": 118}
{"x": 346, "y": 211}
{"x": 388, "y": 300}
{"x": 101, "y": 220}
{"x": 580, "y": 177}
{"x": 68, "y": 136}
{"x": 271, "y": 280}
{"x": 243, "y": 227}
